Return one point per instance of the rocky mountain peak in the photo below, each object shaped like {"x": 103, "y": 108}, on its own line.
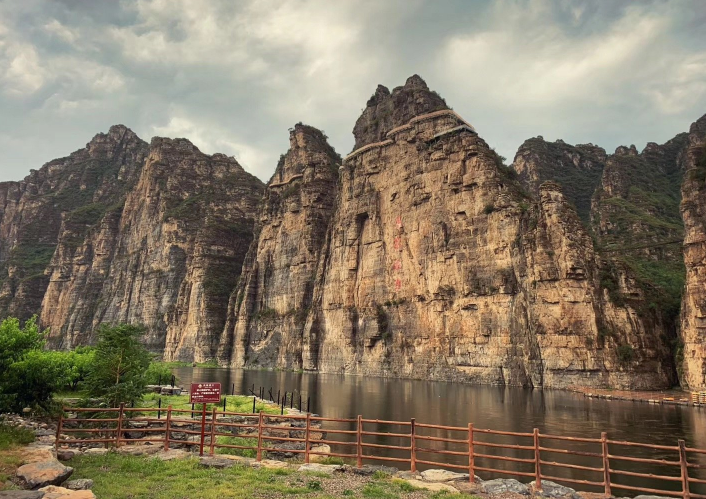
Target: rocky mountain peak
{"x": 626, "y": 151}
{"x": 385, "y": 111}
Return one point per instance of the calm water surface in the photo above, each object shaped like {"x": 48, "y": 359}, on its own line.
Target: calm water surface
{"x": 514, "y": 409}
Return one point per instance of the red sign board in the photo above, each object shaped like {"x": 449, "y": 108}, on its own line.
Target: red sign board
{"x": 205, "y": 393}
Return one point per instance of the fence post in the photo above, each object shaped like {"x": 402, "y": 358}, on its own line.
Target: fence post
{"x": 213, "y": 430}
{"x": 59, "y": 426}
{"x": 307, "y": 437}
{"x": 471, "y": 457}
{"x": 684, "y": 470}
{"x": 166, "y": 431}
{"x": 120, "y": 424}
{"x": 259, "y": 438}
{"x": 203, "y": 428}
{"x": 413, "y": 443}
{"x": 359, "y": 443}
{"x": 606, "y": 463}
{"x": 537, "y": 469}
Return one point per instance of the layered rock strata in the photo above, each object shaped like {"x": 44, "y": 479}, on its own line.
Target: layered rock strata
{"x": 269, "y": 309}
{"x": 438, "y": 266}
{"x": 168, "y": 257}
{"x": 79, "y": 188}
{"x": 693, "y": 208}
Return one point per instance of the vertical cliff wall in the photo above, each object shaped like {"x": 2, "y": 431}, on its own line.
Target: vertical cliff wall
{"x": 80, "y": 187}
{"x": 269, "y": 310}
{"x": 167, "y": 257}
{"x": 693, "y": 208}
{"x": 439, "y": 265}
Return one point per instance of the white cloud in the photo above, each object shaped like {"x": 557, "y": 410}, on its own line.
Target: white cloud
{"x": 22, "y": 73}
{"x": 210, "y": 140}
{"x": 57, "y": 29}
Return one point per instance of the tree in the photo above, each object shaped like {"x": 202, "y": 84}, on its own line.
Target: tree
{"x": 119, "y": 364}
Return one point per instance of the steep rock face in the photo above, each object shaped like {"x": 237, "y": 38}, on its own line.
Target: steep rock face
{"x": 693, "y": 209}
{"x": 268, "y": 311}
{"x": 385, "y": 111}
{"x": 437, "y": 266}
{"x": 629, "y": 202}
{"x": 167, "y": 259}
{"x": 576, "y": 168}
{"x": 81, "y": 186}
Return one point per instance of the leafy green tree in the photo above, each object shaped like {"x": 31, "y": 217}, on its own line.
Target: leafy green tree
{"x": 34, "y": 379}
{"x": 119, "y": 364}
{"x": 16, "y": 342}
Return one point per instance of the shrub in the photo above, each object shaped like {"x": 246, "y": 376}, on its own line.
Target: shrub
{"x": 489, "y": 208}
{"x": 158, "y": 372}
{"x": 16, "y": 342}
{"x": 626, "y": 353}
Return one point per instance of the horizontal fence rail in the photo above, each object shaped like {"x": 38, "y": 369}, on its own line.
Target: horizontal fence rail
{"x": 593, "y": 464}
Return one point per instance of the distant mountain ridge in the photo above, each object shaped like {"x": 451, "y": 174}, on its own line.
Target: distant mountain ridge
{"x": 421, "y": 255}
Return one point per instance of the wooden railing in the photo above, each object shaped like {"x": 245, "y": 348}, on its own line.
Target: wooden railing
{"x": 599, "y": 462}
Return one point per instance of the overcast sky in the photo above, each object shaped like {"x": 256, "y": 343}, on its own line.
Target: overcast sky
{"x": 233, "y": 76}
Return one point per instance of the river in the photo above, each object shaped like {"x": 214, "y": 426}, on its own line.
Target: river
{"x": 554, "y": 412}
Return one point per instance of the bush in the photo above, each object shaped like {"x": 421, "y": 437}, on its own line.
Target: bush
{"x": 16, "y": 342}
{"x": 119, "y": 365}
{"x": 489, "y": 208}
{"x": 625, "y": 353}
{"x": 158, "y": 372}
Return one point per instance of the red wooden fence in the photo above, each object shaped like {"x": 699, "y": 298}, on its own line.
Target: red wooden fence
{"x": 466, "y": 449}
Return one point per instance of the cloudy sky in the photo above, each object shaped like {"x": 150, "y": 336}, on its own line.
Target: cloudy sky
{"x": 234, "y": 75}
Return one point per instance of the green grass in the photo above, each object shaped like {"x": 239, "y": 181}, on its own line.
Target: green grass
{"x": 11, "y": 436}
{"x": 117, "y": 476}
{"x": 244, "y": 441}
{"x": 234, "y": 403}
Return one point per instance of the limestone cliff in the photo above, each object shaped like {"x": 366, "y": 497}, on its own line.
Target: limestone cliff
{"x": 385, "y": 111}
{"x": 268, "y": 311}
{"x": 166, "y": 258}
{"x": 693, "y": 209}
{"x": 439, "y": 266}
{"x": 80, "y": 187}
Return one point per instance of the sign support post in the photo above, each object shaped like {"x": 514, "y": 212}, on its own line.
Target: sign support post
{"x": 204, "y": 393}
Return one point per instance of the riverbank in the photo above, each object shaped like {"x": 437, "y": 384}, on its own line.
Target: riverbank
{"x": 666, "y": 397}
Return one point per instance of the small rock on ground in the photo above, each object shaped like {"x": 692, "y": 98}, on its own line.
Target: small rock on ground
{"x": 442, "y": 476}
{"x": 215, "y": 462}
{"x": 37, "y": 475}
{"x": 139, "y": 450}
{"x": 66, "y": 454}
{"x": 432, "y": 486}
{"x": 269, "y": 463}
{"x": 54, "y": 492}
{"x": 172, "y": 454}
{"x": 554, "y": 490}
{"x": 21, "y": 494}
{"x": 321, "y": 468}
{"x": 80, "y": 484}
{"x": 503, "y": 485}
{"x": 369, "y": 470}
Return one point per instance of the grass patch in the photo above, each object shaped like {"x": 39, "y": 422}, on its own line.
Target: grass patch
{"x": 242, "y": 441}
{"x": 11, "y": 436}
{"x": 234, "y": 403}
{"x": 11, "y": 440}
{"x": 117, "y": 476}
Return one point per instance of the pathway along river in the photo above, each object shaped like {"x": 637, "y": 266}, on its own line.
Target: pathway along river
{"x": 554, "y": 412}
